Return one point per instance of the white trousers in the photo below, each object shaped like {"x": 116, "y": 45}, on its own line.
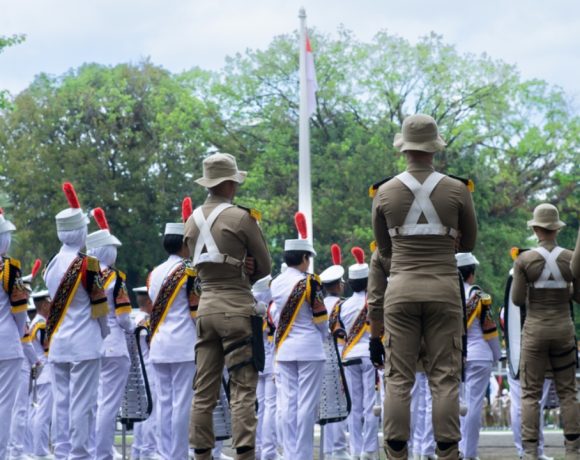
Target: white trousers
{"x": 18, "y": 425}
{"x": 516, "y": 413}
{"x": 266, "y": 441}
{"x": 74, "y": 389}
{"x": 300, "y": 385}
{"x": 335, "y": 437}
{"x": 363, "y": 425}
{"x": 280, "y": 407}
{"x": 477, "y": 375}
{"x": 145, "y": 435}
{"x": 422, "y": 437}
{"x": 112, "y": 381}
{"x": 9, "y": 383}
{"x": 40, "y": 418}
{"x": 174, "y": 396}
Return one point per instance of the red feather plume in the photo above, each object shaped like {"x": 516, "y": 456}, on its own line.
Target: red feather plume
{"x": 358, "y": 254}
{"x": 71, "y": 195}
{"x": 336, "y": 254}
{"x": 36, "y": 267}
{"x": 100, "y": 218}
{"x": 186, "y": 208}
{"x": 1, "y": 211}
{"x": 300, "y": 222}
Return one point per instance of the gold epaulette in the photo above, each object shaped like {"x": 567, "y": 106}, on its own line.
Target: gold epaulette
{"x": 468, "y": 182}
{"x": 93, "y": 264}
{"x": 122, "y": 275}
{"x": 191, "y": 272}
{"x": 515, "y": 252}
{"x": 373, "y": 246}
{"x": 373, "y": 188}
{"x": 254, "y": 213}
{"x": 14, "y": 262}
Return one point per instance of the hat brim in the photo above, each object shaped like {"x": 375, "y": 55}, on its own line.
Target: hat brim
{"x": 436, "y": 145}
{"x": 239, "y": 177}
{"x": 7, "y": 226}
{"x": 548, "y": 226}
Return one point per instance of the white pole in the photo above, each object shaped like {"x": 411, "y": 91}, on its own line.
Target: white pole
{"x": 304, "y": 180}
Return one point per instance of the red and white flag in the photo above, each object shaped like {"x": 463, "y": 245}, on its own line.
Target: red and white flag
{"x": 311, "y": 84}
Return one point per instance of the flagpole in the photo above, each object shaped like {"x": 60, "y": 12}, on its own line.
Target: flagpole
{"x": 304, "y": 178}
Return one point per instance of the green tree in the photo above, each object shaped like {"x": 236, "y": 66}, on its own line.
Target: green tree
{"x": 5, "y": 42}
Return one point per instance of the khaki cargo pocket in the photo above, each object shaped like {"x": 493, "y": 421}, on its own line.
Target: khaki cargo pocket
{"x": 388, "y": 354}
{"x": 456, "y": 357}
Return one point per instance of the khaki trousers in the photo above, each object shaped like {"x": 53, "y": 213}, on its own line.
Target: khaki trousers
{"x": 541, "y": 347}
{"x": 440, "y": 325}
{"x": 215, "y": 334}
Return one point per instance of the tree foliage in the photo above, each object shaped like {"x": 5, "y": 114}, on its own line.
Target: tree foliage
{"x": 132, "y": 138}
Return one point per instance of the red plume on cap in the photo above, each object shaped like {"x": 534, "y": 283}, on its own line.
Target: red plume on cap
{"x": 336, "y": 254}
{"x": 71, "y": 195}
{"x": 36, "y": 267}
{"x": 100, "y": 218}
{"x": 300, "y": 222}
{"x": 358, "y": 254}
{"x": 1, "y": 211}
{"x": 186, "y": 209}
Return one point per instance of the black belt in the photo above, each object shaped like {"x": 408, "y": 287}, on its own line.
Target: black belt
{"x": 352, "y": 362}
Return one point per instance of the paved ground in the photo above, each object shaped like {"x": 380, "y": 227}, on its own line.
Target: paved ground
{"x": 494, "y": 445}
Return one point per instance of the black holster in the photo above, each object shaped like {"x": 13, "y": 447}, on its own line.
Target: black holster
{"x": 256, "y": 341}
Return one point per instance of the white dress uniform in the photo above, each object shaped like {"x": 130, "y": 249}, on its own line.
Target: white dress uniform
{"x": 361, "y": 377}
{"x": 300, "y": 365}
{"x": 516, "y": 413}
{"x": 422, "y": 437}
{"x": 19, "y": 427}
{"x": 75, "y": 356}
{"x": 145, "y": 434}
{"x": 172, "y": 353}
{"x": 114, "y": 372}
{"x": 266, "y": 440}
{"x": 12, "y": 323}
{"x": 481, "y": 356}
{"x": 335, "y": 440}
{"x": 41, "y": 413}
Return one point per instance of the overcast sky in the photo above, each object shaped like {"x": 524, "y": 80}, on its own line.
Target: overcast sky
{"x": 541, "y": 37}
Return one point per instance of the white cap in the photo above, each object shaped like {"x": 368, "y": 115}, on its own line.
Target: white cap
{"x": 262, "y": 285}
{"x": 40, "y": 294}
{"x": 101, "y": 238}
{"x": 140, "y": 290}
{"x": 358, "y": 271}
{"x": 299, "y": 245}
{"x": 71, "y": 219}
{"x": 6, "y": 225}
{"x": 175, "y": 228}
{"x": 332, "y": 274}
{"x": 465, "y": 258}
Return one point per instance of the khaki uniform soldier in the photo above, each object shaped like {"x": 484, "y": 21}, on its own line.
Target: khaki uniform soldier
{"x": 542, "y": 280}
{"x": 575, "y": 264}
{"x": 230, "y": 253}
{"x": 420, "y": 218}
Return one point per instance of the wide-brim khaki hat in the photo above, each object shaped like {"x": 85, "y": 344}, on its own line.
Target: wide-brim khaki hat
{"x": 218, "y": 168}
{"x": 419, "y": 132}
{"x": 546, "y": 216}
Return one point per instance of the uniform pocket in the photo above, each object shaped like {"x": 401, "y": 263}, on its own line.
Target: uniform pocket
{"x": 388, "y": 354}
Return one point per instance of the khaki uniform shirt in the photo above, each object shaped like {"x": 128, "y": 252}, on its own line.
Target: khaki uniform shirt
{"x": 225, "y": 288}
{"x": 423, "y": 267}
{"x": 377, "y": 285}
{"x": 575, "y": 265}
{"x": 543, "y": 305}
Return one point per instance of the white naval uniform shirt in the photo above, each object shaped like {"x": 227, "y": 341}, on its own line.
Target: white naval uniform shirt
{"x": 304, "y": 341}
{"x": 10, "y": 347}
{"x": 349, "y": 312}
{"x": 141, "y": 316}
{"x": 477, "y": 347}
{"x": 115, "y": 344}
{"x": 79, "y": 336}
{"x": 39, "y": 350}
{"x": 174, "y": 341}
{"x": 266, "y": 298}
